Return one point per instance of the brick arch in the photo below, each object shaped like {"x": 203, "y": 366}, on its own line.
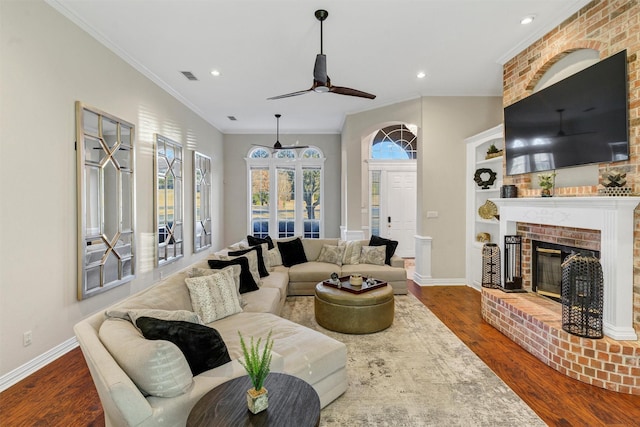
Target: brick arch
{"x": 557, "y": 55}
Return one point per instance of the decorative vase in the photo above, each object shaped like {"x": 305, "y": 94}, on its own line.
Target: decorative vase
{"x": 545, "y": 192}
{"x": 257, "y": 401}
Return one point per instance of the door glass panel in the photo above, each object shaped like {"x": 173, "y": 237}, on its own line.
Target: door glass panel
{"x": 311, "y": 202}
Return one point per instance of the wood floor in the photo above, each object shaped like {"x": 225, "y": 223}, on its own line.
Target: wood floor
{"x": 62, "y": 393}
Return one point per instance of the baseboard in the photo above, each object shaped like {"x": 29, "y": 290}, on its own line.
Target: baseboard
{"x": 430, "y": 281}
{"x": 39, "y": 362}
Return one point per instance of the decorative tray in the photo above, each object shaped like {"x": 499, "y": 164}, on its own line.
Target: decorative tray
{"x": 346, "y": 285}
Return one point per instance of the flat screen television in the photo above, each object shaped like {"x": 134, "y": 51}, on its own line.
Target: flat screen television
{"x": 579, "y": 120}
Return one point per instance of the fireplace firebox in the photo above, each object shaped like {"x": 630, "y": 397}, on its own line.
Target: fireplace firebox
{"x": 546, "y": 268}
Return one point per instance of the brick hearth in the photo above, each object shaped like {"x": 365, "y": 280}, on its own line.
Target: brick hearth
{"x": 534, "y": 323}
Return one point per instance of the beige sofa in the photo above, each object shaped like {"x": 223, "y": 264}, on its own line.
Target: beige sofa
{"x": 112, "y": 345}
{"x": 303, "y": 278}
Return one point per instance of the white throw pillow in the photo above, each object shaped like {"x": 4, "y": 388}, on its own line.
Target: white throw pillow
{"x": 351, "y": 252}
{"x": 373, "y": 255}
{"x": 157, "y": 367}
{"x": 275, "y": 259}
{"x": 331, "y": 254}
{"x": 214, "y": 297}
{"x": 236, "y": 269}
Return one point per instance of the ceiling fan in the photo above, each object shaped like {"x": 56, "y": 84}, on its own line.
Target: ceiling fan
{"x": 321, "y": 81}
{"x": 278, "y": 145}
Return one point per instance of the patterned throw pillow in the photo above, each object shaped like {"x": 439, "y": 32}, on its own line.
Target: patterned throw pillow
{"x": 373, "y": 255}
{"x": 331, "y": 254}
{"x": 237, "y": 270}
{"x": 214, "y": 297}
{"x": 252, "y": 257}
{"x": 352, "y": 251}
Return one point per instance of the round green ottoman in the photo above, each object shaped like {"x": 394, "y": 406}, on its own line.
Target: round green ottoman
{"x": 350, "y": 313}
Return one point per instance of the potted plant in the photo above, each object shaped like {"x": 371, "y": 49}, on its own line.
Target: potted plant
{"x": 546, "y": 181}
{"x": 257, "y": 365}
{"x": 493, "y": 151}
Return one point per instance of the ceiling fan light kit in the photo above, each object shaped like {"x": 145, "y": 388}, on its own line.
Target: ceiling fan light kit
{"x": 321, "y": 81}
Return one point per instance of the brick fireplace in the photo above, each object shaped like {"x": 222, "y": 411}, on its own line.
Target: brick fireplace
{"x": 602, "y": 224}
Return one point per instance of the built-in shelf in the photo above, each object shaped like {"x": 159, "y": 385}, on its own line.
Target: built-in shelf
{"x": 477, "y": 147}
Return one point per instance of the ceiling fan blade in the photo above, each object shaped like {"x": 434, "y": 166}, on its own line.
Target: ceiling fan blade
{"x": 320, "y": 69}
{"x": 292, "y": 147}
{"x": 288, "y": 95}
{"x": 351, "y": 92}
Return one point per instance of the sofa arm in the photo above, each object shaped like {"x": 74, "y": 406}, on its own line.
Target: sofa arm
{"x": 122, "y": 402}
{"x": 397, "y": 261}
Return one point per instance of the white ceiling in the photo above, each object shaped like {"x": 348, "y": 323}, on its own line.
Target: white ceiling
{"x": 265, "y": 48}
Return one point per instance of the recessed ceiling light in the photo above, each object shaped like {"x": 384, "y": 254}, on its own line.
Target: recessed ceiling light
{"x": 215, "y": 73}
{"x": 421, "y": 75}
{"x": 527, "y": 19}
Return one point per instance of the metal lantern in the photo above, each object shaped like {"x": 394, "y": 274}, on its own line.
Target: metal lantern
{"x": 490, "y": 265}
{"x": 513, "y": 262}
{"x": 582, "y": 295}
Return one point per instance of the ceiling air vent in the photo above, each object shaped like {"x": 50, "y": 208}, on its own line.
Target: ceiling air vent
{"x": 232, "y": 118}
{"x": 189, "y": 75}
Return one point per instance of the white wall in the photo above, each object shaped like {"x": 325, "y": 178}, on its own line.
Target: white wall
{"x": 47, "y": 63}
{"x": 236, "y": 148}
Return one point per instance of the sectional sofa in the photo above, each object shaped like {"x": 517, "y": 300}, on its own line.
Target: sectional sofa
{"x": 145, "y": 382}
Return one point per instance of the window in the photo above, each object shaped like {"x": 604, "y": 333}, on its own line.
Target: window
{"x": 394, "y": 142}
{"x": 285, "y": 197}
{"x": 169, "y": 200}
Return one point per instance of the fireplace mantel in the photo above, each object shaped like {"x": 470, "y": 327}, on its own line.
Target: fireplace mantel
{"x": 614, "y": 217}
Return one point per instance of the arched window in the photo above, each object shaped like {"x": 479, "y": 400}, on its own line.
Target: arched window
{"x": 395, "y": 142}
{"x": 285, "y": 192}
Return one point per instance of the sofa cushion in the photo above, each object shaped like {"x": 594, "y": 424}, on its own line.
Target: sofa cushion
{"x": 275, "y": 259}
{"x": 214, "y": 297}
{"x": 312, "y": 271}
{"x": 257, "y": 241}
{"x": 292, "y": 252}
{"x": 331, "y": 254}
{"x": 390, "y": 245}
{"x": 352, "y": 251}
{"x": 247, "y": 282}
{"x": 262, "y": 267}
{"x": 201, "y": 345}
{"x": 158, "y": 368}
{"x": 372, "y": 255}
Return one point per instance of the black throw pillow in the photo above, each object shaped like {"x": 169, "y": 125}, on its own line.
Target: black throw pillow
{"x": 247, "y": 283}
{"x": 390, "y": 244}
{"x": 262, "y": 269}
{"x": 258, "y": 241}
{"x": 201, "y": 345}
{"x": 292, "y": 252}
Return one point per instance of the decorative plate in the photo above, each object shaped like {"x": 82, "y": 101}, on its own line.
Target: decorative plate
{"x": 484, "y": 178}
{"x": 488, "y": 211}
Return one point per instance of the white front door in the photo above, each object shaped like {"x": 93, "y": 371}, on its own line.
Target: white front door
{"x": 393, "y": 211}
{"x": 401, "y": 211}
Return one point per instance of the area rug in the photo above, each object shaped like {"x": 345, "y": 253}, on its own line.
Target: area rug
{"x": 415, "y": 373}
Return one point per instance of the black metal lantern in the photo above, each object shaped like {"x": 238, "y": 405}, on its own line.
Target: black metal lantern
{"x": 491, "y": 265}
{"x": 582, "y": 295}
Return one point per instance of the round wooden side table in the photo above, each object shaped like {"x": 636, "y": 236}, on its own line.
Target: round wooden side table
{"x": 292, "y": 402}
